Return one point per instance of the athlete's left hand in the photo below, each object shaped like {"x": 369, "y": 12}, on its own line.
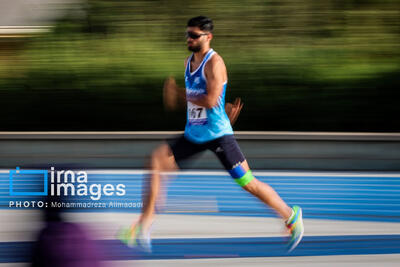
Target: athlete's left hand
{"x": 233, "y": 110}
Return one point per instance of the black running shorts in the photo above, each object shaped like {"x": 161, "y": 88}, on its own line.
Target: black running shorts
{"x": 225, "y": 148}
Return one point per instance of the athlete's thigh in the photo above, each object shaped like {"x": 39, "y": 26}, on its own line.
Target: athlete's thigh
{"x": 228, "y": 152}
{"x": 230, "y": 155}
{"x": 183, "y": 149}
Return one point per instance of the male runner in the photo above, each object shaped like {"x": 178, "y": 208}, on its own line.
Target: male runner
{"x": 208, "y": 127}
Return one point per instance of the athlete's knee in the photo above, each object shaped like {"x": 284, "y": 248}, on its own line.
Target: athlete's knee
{"x": 162, "y": 159}
{"x": 242, "y": 176}
{"x": 157, "y": 156}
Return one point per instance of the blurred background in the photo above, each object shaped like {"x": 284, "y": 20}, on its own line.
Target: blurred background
{"x": 96, "y": 65}
{"x": 307, "y": 65}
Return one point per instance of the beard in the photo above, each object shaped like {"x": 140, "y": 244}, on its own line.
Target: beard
{"x": 194, "y": 48}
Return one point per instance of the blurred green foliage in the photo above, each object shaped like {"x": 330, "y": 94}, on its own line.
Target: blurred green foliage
{"x": 308, "y": 65}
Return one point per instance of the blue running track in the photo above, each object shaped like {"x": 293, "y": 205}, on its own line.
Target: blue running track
{"x": 338, "y": 197}
{"x": 197, "y": 248}
{"x": 343, "y": 197}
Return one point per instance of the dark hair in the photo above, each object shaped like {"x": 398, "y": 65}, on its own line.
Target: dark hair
{"x": 204, "y": 23}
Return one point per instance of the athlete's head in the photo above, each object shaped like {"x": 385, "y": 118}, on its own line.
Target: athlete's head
{"x": 199, "y": 33}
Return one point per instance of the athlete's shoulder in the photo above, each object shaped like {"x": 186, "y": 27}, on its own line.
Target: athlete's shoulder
{"x": 216, "y": 59}
{"x": 215, "y": 62}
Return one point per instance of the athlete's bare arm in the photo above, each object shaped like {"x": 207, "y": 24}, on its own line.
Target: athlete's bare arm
{"x": 233, "y": 110}
{"x": 173, "y": 94}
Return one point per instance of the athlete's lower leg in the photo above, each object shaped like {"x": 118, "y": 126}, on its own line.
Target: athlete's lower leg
{"x": 161, "y": 160}
{"x": 150, "y": 193}
{"x": 139, "y": 232}
{"x": 269, "y": 196}
{"x": 292, "y": 216}
{"x": 264, "y": 192}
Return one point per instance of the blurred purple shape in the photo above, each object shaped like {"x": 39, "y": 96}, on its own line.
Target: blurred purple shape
{"x": 65, "y": 244}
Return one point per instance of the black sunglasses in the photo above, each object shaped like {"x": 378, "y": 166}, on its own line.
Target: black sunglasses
{"x": 193, "y": 35}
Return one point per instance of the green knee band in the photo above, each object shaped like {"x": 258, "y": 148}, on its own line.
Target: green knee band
{"x": 245, "y": 179}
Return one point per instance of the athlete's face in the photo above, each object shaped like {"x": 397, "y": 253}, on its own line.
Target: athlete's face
{"x": 196, "y": 38}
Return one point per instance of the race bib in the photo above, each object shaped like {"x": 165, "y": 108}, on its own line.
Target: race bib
{"x": 197, "y": 115}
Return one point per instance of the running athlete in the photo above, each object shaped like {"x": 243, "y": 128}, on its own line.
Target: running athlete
{"x": 208, "y": 127}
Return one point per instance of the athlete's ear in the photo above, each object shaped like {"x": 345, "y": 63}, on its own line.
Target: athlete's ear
{"x": 210, "y": 36}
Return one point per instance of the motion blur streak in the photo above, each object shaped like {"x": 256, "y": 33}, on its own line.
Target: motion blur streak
{"x": 298, "y": 65}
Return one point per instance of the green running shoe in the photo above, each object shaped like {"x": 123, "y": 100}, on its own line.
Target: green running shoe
{"x": 296, "y": 228}
{"x": 134, "y": 236}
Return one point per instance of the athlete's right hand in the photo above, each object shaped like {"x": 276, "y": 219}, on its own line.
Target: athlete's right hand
{"x": 233, "y": 110}
{"x": 170, "y": 94}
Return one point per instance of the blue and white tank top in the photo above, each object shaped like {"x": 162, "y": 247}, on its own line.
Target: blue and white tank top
{"x": 204, "y": 124}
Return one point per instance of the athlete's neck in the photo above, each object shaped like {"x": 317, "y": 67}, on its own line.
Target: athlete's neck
{"x": 198, "y": 56}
